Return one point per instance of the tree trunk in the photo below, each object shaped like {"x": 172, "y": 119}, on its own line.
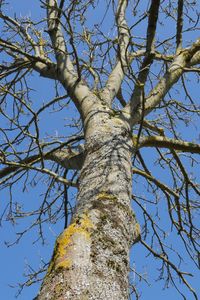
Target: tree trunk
{"x": 91, "y": 256}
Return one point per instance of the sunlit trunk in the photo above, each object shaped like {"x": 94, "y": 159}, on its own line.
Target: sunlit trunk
{"x": 91, "y": 257}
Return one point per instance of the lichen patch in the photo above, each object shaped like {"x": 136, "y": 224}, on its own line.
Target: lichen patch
{"x": 81, "y": 225}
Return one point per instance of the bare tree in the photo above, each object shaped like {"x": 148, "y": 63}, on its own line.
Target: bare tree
{"x": 130, "y": 79}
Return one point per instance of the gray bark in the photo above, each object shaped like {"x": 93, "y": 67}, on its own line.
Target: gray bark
{"x": 91, "y": 257}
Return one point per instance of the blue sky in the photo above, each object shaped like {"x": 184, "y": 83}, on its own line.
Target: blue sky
{"x": 14, "y": 260}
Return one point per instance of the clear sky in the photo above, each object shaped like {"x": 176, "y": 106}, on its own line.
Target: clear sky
{"x": 14, "y": 261}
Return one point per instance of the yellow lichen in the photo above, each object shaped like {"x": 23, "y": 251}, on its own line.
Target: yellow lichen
{"x": 135, "y": 140}
{"x": 106, "y": 196}
{"x": 137, "y": 232}
{"x": 58, "y": 288}
{"x": 137, "y": 229}
{"x": 66, "y": 264}
{"x": 42, "y": 42}
{"x": 81, "y": 225}
{"x": 118, "y": 121}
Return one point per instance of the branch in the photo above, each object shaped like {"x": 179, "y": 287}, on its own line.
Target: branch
{"x": 179, "y": 26}
{"x": 67, "y": 158}
{"x": 152, "y": 127}
{"x": 21, "y": 29}
{"x": 117, "y": 75}
{"x": 41, "y": 170}
{"x": 161, "y": 185}
{"x": 186, "y": 58}
{"x": 172, "y": 265}
{"x": 66, "y": 72}
{"x": 123, "y": 32}
{"x": 42, "y": 65}
{"x": 163, "y": 142}
{"x": 16, "y": 49}
{"x": 64, "y": 63}
{"x": 137, "y": 96}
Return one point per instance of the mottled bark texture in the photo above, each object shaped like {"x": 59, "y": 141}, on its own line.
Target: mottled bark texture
{"x": 91, "y": 257}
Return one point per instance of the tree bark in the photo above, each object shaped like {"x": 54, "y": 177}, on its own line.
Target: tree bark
{"x": 91, "y": 257}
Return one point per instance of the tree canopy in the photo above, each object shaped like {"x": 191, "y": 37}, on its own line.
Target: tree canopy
{"x": 141, "y": 60}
